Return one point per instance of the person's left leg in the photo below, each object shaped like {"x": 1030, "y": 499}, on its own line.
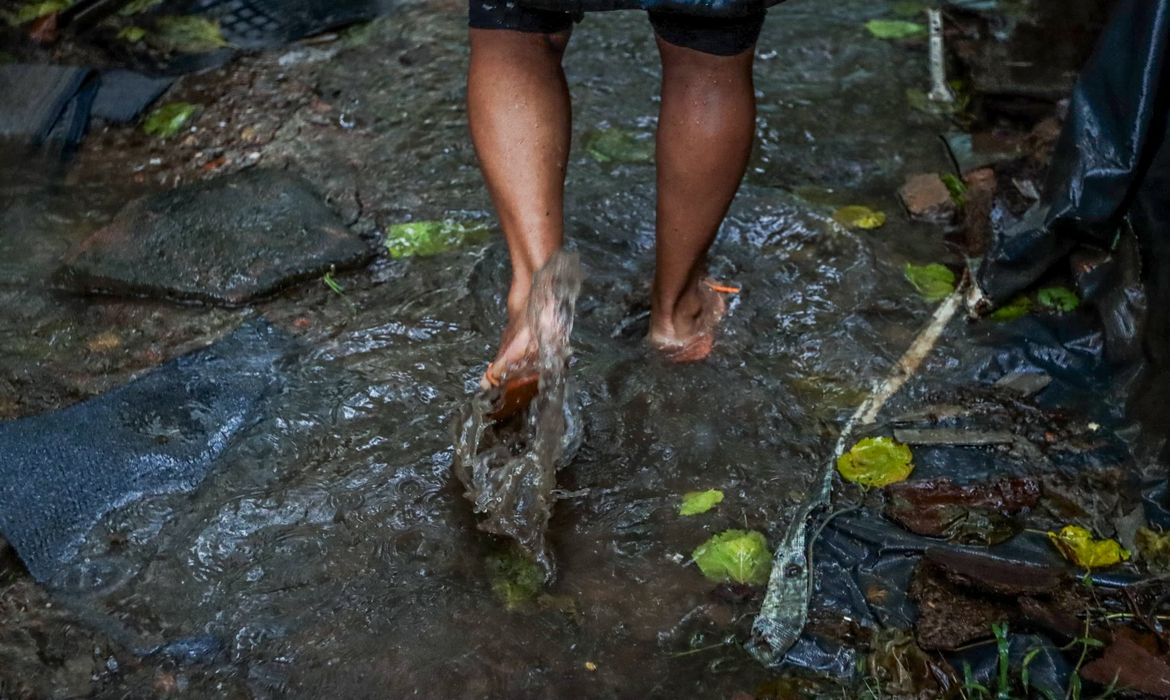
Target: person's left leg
{"x": 705, "y": 130}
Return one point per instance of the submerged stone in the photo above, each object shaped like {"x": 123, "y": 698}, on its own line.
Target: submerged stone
{"x": 226, "y": 241}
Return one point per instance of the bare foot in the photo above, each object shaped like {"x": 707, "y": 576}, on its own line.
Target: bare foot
{"x": 688, "y": 334}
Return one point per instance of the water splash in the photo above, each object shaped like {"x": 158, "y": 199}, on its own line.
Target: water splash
{"x": 508, "y": 468}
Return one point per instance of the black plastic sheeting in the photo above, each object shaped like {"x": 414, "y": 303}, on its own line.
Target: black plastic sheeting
{"x": 254, "y": 24}
{"x": 62, "y": 471}
{"x": 1105, "y": 207}
{"x": 45, "y": 104}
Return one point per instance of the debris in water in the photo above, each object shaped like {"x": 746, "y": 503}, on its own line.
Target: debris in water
{"x": 927, "y": 198}
{"x": 1016, "y": 308}
{"x": 934, "y": 282}
{"x": 1059, "y": 299}
{"x": 1154, "y": 548}
{"x": 696, "y": 502}
{"x": 187, "y": 34}
{"x": 424, "y": 238}
{"x": 35, "y": 10}
{"x": 515, "y": 578}
{"x": 894, "y": 28}
{"x": 1078, "y": 546}
{"x": 619, "y": 146}
{"x": 738, "y": 556}
{"x": 590, "y": 666}
{"x": 167, "y": 120}
{"x": 856, "y": 216}
{"x": 973, "y": 514}
{"x": 876, "y": 461}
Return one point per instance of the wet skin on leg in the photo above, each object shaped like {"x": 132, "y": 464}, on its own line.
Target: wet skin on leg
{"x": 705, "y": 130}
{"x": 520, "y": 118}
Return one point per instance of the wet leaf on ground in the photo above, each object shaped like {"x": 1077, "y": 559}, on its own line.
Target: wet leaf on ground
{"x": 856, "y": 216}
{"x": 135, "y": 6}
{"x": 424, "y": 238}
{"x": 972, "y": 513}
{"x": 1016, "y": 308}
{"x": 166, "y": 120}
{"x": 188, "y": 34}
{"x": 1080, "y": 547}
{"x": 894, "y": 28}
{"x": 515, "y": 579}
{"x": 132, "y": 34}
{"x": 1059, "y": 299}
{"x": 35, "y": 10}
{"x": 619, "y": 146}
{"x": 908, "y": 8}
{"x": 934, "y": 282}
{"x": 955, "y": 186}
{"x": 876, "y": 461}
{"x": 696, "y": 502}
{"x": 1154, "y": 548}
{"x": 740, "y": 556}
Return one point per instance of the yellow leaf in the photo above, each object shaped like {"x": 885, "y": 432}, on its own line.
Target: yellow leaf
{"x": 855, "y": 216}
{"x": 876, "y": 461}
{"x": 1078, "y": 546}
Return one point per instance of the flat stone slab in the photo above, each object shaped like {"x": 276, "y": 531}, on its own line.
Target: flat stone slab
{"x": 226, "y": 241}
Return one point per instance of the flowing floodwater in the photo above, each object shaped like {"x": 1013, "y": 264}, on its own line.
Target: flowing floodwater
{"x": 331, "y": 553}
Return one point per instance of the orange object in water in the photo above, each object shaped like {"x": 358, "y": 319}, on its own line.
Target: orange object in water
{"x": 515, "y": 393}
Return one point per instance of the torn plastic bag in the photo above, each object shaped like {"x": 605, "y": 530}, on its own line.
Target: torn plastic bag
{"x": 1106, "y": 170}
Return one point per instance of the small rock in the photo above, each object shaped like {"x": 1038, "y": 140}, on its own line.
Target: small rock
{"x": 927, "y": 198}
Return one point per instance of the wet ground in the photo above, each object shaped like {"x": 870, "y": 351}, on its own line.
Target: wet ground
{"x": 331, "y": 552}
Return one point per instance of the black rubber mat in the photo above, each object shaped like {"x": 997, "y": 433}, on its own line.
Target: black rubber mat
{"x": 253, "y": 24}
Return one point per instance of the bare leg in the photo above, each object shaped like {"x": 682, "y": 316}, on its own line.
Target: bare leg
{"x": 519, "y": 113}
{"x": 705, "y": 130}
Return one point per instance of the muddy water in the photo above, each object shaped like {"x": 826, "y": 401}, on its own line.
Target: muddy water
{"x": 331, "y": 554}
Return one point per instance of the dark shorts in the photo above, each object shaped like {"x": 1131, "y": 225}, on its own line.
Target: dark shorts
{"x": 721, "y": 36}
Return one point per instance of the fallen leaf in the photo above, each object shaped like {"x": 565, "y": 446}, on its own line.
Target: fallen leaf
{"x": 619, "y": 146}
{"x": 876, "y": 461}
{"x": 188, "y": 34}
{"x": 735, "y": 555}
{"x": 1016, "y": 308}
{"x": 696, "y": 502}
{"x": 132, "y": 34}
{"x": 856, "y": 216}
{"x": 1059, "y": 299}
{"x": 35, "y": 10}
{"x": 168, "y": 119}
{"x": 1078, "y": 546}
{"x": 433, "y": 237}
{"x": 934, "y": 282}
{"x": 894, "y": 28}
{"x": 515, "y": 579}
{"x": 1154, "y": 548}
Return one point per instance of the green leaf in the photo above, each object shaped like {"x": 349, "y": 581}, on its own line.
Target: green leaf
{"x": 135, "y": 6}
{"x": 855, "y": 216}
{"x": 894, "y": 28}
{"x": 908, "y": 8}
{"x": 1078, "y": 546}
{"x": 1016, "y": 308}
{"x": 188, "y": 34}
{"x": 956, "y": 187}
{"x": 934, "y": 282}
{"x": 696, "y": 502}
{"x": 1059, "y": 299}
{"x": 166, "y": 120}
{"x": 132, "y": 34}
{"x": 515, "y": 579}
{"x": 619, "y": 146}
{"x": 433, "y": 237}
{"x": 876, "y": 461}
{"x": 35, "y": 10}
{"x": 735, "y": 555}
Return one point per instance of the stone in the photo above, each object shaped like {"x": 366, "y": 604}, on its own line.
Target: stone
{"x": 226, "y": 241}
{"x": 927, "y": 198}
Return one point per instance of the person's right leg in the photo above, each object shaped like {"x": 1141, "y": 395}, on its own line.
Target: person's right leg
{"x": 519, "y": 114}
{"x": 705, "y": 130}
